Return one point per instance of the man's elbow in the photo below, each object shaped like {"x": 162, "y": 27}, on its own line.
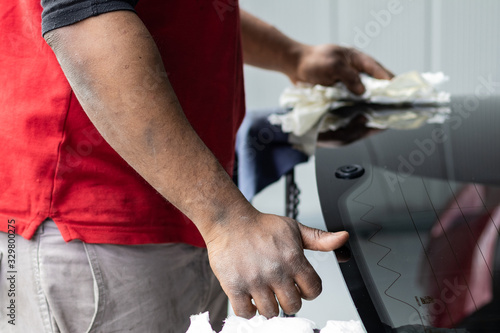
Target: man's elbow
{"x": 53, "y": 39}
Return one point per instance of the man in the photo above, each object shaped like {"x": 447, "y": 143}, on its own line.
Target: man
{"x": 98, "y": 246}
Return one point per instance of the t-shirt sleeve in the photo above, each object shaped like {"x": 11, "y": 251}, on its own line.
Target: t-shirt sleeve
{"x": 60, "y": 13}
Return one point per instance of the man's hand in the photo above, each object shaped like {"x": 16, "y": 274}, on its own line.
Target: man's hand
{"x": 266, "y": 47}
{"x": 327, "y": 64}
{"x": 262, "y": 258}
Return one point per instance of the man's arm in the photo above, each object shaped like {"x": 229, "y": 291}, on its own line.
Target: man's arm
{"x": 254, "y": 255}
{"x": 266, "y": 47}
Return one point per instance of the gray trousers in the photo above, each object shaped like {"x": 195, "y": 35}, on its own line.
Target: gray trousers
{"x": 54, "y": 286}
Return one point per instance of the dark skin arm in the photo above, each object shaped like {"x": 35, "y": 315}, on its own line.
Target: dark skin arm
{"x": 266, "y": 47}
{"x": 254, "y": 255}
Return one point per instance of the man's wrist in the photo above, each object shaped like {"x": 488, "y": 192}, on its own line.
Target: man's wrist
{"x": 293, "y": 57}
{"x": 235, "y": 216}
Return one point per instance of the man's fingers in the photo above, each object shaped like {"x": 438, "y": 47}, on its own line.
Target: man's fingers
{"x": 242, "y": 306}
{"x": 350, "y": 77}
{"x": 319, "y": 240}
{"x": 276, "y": 268}
{"x": 266, "y": 303}
{"x": 308, "y": 283}
{"x": 289, "y": 297}
{"x": 370, "y": 66}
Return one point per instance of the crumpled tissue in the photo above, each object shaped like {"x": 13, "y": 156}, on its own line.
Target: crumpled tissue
{"x": 334, "y": 326}
{"x": 200, "y": 324}
{"x": 309, "y": 103}
{"x": 259, "y": 324}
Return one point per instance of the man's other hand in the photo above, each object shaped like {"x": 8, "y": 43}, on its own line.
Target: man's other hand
{"x": 261, "y": 258}
{"x": 328, "y": 63}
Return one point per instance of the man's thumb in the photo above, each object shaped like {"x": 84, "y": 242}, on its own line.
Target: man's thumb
{"x": 319, "y": 240}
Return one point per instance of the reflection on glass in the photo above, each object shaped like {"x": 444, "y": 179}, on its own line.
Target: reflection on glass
{"x": 424, "y": 218}
{"x": 458, "y": 270}
{"x": 348, "y": 124}
{"x": 429, "y": 246}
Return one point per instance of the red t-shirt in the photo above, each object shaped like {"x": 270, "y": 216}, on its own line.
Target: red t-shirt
{"x": 54, "y": 162}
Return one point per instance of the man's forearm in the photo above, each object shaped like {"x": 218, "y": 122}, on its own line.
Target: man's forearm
{"x": 266, "y": 47}
{"x": 255, "y": 256}
{"x": 105, "y": 58}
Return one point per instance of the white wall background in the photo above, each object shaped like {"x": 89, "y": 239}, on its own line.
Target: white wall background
{"x": 458, "y": 37}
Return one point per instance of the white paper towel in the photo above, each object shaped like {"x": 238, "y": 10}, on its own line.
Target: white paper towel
{"x": 335, "y": 326}
{"x": 200, "y": 324}
{"x": 259, "y": 324}
{"x": 309, "y": 103}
